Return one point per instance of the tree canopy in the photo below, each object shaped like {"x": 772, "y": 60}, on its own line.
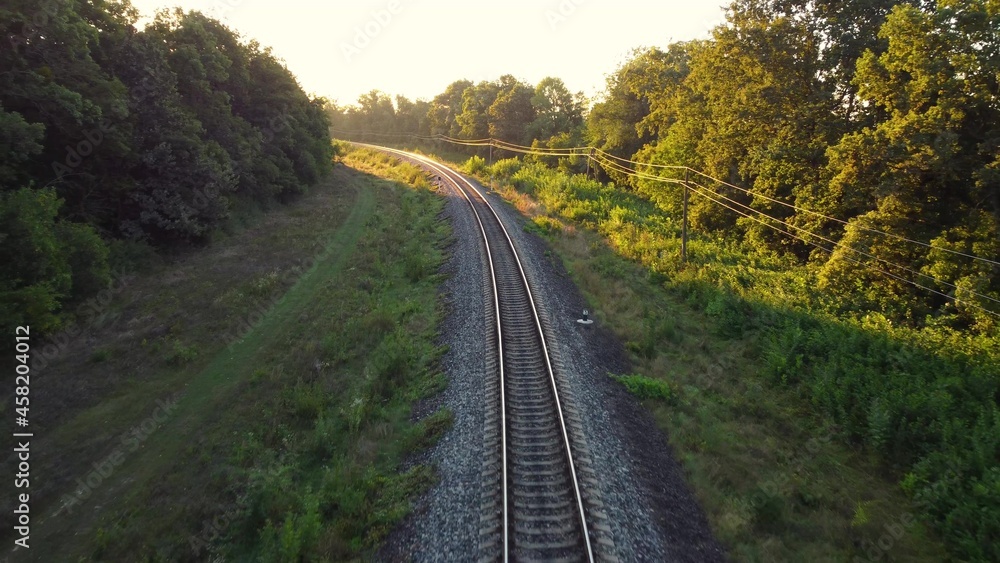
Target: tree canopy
{"x": 113, "y": 133}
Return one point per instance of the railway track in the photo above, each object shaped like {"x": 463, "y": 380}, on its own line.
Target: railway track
{"x": 535, "y": 505}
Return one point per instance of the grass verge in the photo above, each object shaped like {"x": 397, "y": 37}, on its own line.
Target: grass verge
{"x": 274, "y": 409}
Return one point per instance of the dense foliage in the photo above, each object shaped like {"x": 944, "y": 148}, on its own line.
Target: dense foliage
{"x": 109, "y": 133}
{"x": 878, "y": 122}
{"x": 868, "y": 131}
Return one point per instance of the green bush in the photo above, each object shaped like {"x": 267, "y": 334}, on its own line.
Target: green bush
{"x": 415, "y": 266}
{"x": 657, "y": 330}
{"x": 47, "y": 263}
{"x": 731, "y": 314}
{"x": 645, "y": 388}
{"x": 506, "y": 168}
{"x": 180, "y": 354}
{"x": 390, "y": 364}
{"x": 87, "y": 256}
{"x": 295, "y": 538}
{"x": 474, "y": 165}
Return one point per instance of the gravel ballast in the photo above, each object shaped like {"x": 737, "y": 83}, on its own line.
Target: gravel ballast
{"x": 650, "y": 508}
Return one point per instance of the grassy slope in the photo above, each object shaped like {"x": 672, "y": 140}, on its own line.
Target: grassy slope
{"x": 774, "y": 475}
{"x": 775, "y": 481}
{"x": 287, "y": 436}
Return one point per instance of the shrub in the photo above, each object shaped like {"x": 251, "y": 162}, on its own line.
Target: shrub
{"x": 391, "y": 364}
{"x": 179, "y": 354}
{"x": 646, "y": 388}
{"x": 474, "y": 165}
{"x": 87, "y": 256}
{"x": 506, "y": 168}
{"x": 47, "y": 263}
{"x": 730, "y": 313}
{"x": 36, "y": 275}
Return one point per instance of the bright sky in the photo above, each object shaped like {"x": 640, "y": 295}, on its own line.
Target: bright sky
{"x": 341, "y": 49}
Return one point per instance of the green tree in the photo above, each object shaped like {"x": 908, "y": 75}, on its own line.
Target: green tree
{"x": 412, "y": 117}
{"x": 766, "y": 124}
{"x": 613, "y": 123}
{"x": 49, "y": 76}
{"x": 294, "y": 127}
{"x": 474, "y": 120}
{"x": 445, "y": 109}
{"x": 137, "y": 134}
{"x": 180, "y": 181}
{"x": 557, "y": 111}
{"x": 19, "y": 142}
{"x": 934, "y": 155}
{"x": 46, "y": 262}
{"x": 844, "y": 31}
{"x": 375, "y": 112}
{"x": 511, "y": 113}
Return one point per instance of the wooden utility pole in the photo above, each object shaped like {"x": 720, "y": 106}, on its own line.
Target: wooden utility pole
{"x": 684, "y": 226}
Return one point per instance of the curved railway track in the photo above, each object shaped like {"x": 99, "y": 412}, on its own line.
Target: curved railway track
{"x": 534, "y": 505}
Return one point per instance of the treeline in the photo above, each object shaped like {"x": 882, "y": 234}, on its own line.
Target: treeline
{"x": 856, "y": 126}
{"x": 110, "y": 134}
{"x": 546, "y": 114}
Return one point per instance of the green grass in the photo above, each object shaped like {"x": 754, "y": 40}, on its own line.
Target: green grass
{"x": 293, "y": 421}
{"x": 648, "y": 388}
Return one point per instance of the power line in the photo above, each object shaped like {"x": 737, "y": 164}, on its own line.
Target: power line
{"x": 359, "y": 133}
{"x": 835, "y": 244}
{"x": 665, "y": 166}
{"x": 595, "y": 154}
{"x": 629, "y": 172}
{"x": 804, "y": 210}
{"x": 860, "y": 263}
{"x": 838, "y": 244}
{"x": 814, "y": 213}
